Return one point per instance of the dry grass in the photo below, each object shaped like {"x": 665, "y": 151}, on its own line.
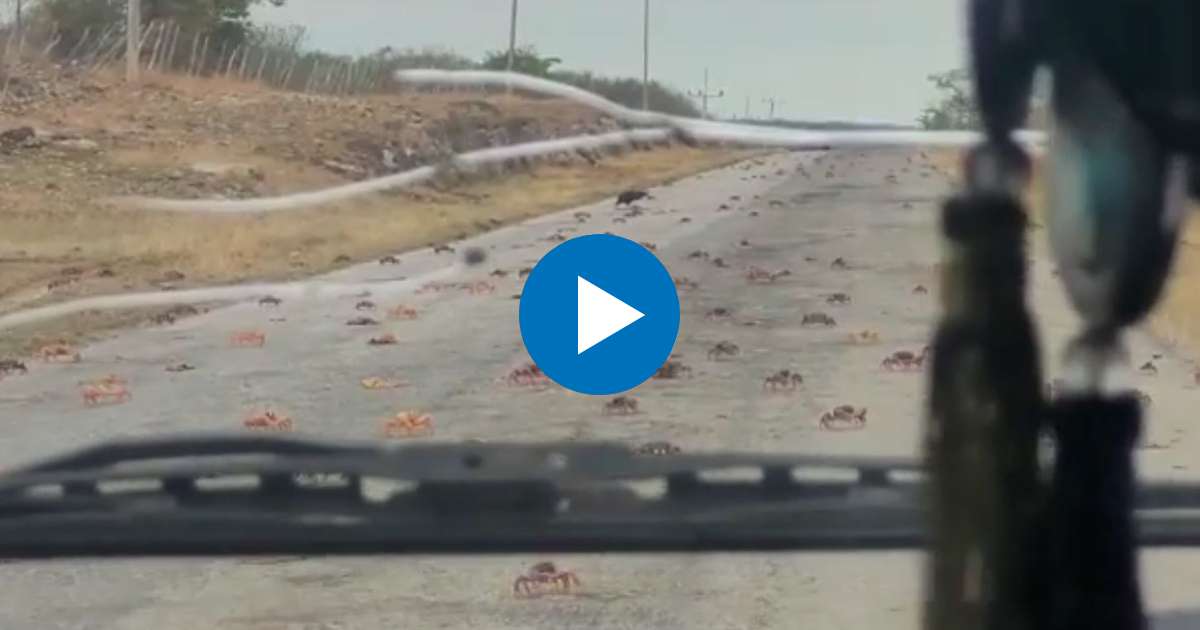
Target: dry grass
{"x": 140, "y": 246}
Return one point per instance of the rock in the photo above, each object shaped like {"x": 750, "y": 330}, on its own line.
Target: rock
{"x": 342, "y": 168}
{"x": 77, "y": 144}
{"x": 16, "y": 136}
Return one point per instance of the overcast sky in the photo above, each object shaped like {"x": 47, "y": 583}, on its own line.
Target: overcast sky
{"x": 822, "y": 59}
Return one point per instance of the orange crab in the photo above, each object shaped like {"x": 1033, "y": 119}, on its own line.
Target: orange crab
{"x": 407, "y": 424}
{"x": 479, "y": 288}
{"x": 402, "y": 312}
{"x": 268, "y": 420}
{"x": 110, "y": 389}
{"x": 844, "y": 418}
{"x": 60, "y": 352}
{"x": 386, "y": 339}
{"x": 248, "y": 339}
{"x": 864, "y": 337}
{"x": 529, "y": 374}
{"x": 542, "y": 574}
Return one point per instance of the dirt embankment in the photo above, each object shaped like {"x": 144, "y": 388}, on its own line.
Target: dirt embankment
{"x": 68, "y": 141}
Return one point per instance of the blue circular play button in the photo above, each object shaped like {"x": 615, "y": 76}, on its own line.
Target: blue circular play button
{"x": 599, "y": 314}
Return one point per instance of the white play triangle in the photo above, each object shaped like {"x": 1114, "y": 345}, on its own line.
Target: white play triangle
{"x": 600, "y": 315}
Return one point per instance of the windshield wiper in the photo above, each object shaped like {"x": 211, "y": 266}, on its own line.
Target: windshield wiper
{"x": 215, "y": 495}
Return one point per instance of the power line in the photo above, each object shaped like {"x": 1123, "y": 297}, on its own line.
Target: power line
{"x": 133, "y": 40}
{"x": 512, "y": 41}
{"x": 771, "y": 102}
{"x": 704, "y": 94}
{"x": 645, "y": 55}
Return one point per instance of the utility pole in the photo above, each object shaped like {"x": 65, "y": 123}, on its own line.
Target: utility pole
{"x": 704, "y": 94}
{"x": 133, "y": 40}
{"x": 18, "y": 20}
{"x": 645, "y": 55}
{"x": 512, "y": 43}
{"x": 771, "y": 101}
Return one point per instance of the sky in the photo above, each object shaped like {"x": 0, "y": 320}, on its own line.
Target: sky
{"x": 864, "y": 60}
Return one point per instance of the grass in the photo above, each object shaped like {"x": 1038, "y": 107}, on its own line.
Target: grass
{"x": 140, "y": 246}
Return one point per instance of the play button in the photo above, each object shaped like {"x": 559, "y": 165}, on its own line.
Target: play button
{"x": 599, "y": 314}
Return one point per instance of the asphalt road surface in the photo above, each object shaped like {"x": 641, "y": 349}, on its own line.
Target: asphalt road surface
{"x": 456, "y": 354}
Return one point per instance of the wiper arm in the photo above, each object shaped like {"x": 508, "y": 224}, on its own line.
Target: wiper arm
{"x": 215, "y": 495}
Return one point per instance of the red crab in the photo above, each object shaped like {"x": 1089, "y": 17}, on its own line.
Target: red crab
{"x": 544, "y": 574}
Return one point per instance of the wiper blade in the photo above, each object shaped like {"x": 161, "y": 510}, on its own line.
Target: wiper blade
{"x": 212, "y": 495}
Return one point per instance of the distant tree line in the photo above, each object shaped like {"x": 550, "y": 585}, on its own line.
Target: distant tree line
{"x": 209, "y": 37}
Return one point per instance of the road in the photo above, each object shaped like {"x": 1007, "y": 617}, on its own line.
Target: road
{"x": 455, "y": 355}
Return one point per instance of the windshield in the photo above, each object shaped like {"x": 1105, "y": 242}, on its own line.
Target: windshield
{"x": 168, "y": 264}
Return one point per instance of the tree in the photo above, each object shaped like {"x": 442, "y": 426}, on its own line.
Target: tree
{"x": 227, "y": 21}
{"x": 956, "y": 109}
{"x": 526, "y": 60}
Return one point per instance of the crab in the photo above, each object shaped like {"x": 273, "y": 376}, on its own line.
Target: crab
{"x": 744, "y": 243}
{"x": 180, "y": 367}
{"x": 543, "y": 574}
{"x": 905, "y": 361}
{"x": 621, "y": 406}
{"x": 719, "y": 262}
{"x": 658, "y": 448}
{"x": 723, "y": 349}
{"x": 479, "y": 288}
{"x": 434, "y": 287}
{"x": 1149, "y": 369}
{"x": 529, "y": 374}
{"x": 341, "y": 258}
{"x": 686, "y": 283}
{"x": 864, "y": 336}
{"x": 60, "y": 352}
{"x": 406, "y": 424}
{"x": 106, "y": 390}
{"x": 719, "y": 312}
{"x": 525, "y": 271}
{"x": 364, "y": 305}
{"x": 270, "y": 300}
{"x": 783, "y": 379}
{"x": 839, "y": 263}
{"x": 386, "y": 339}
{"x": 437, "y": 249}
{"x": 402, "y": 312}
{"x": 759, "y": 275}
{"x": 377, "y": 382}
{"x": 555, "y": 238}
{"x": 12, "y": 366}
{"x": 920, "y": 290}
{"x": 248, "y": 339}
{"x": 699, "y": 254}
{"x": 837, "y": 298}
{"x": 817, "y": 319}
{"x": 618, "y": 219}
{"x": 498, "y": 273}
{"x": 723, "y": 207}
{"x": 362, "y": 321}
{"x": 389, "y": 260}
{"x": 648, "y": 245}
{"x": 685, "y": 219}
{"x": 268, "y": 420}
{"x": 1143, "y": 397}
{"x": 672, "y": 369}
{"x": 844, "y": 418}
{"x": 582, "y": 216}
